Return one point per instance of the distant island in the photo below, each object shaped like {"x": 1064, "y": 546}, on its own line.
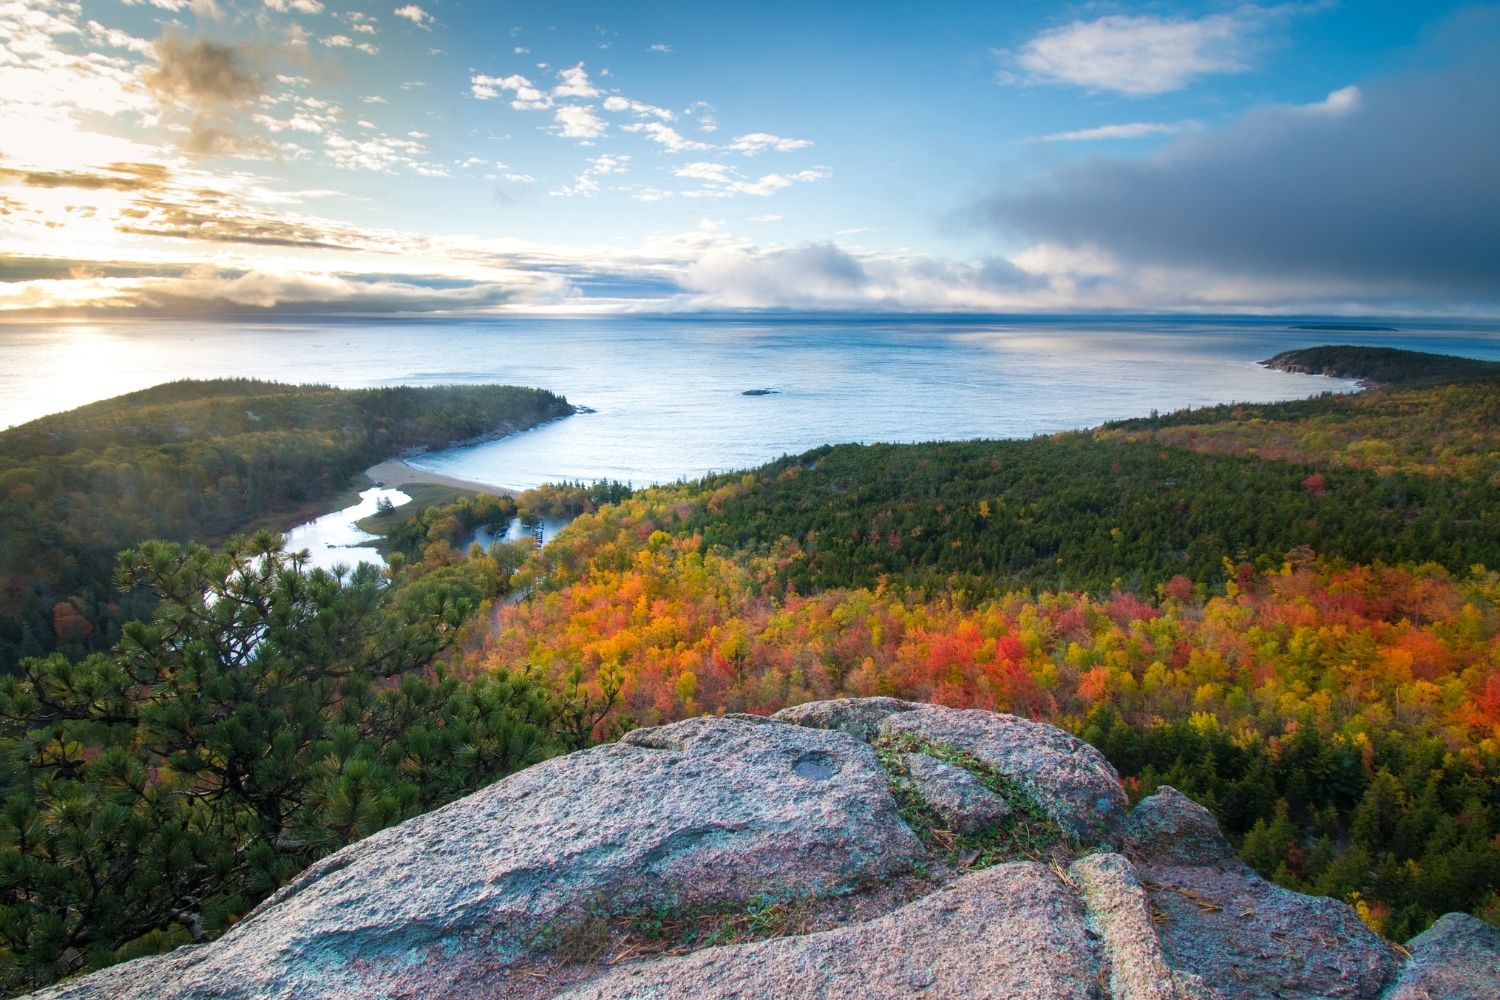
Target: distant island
{"x": 1380, "y": 365}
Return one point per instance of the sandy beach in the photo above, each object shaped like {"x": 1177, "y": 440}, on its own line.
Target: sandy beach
{"x": 395, "y": 473}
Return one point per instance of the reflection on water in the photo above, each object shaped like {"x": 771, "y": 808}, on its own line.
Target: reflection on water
{"x": 333, "y": 540}
{"x": 542, "y": 531}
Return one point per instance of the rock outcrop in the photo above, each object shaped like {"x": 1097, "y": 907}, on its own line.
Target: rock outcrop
{"x": 859, "y": 848}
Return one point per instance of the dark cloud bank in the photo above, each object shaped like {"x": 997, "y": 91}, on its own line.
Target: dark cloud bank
{"x": 1395, "y": 199}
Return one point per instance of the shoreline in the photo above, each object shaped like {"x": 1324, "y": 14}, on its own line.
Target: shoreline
{"x": 395, "y": 473}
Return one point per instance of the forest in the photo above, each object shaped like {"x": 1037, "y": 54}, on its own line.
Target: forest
{"x": 195, "y": 460}
{"x": 1289, "y": 611}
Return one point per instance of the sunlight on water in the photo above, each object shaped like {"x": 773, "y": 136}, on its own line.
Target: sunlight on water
{"x": 669, "y": 394}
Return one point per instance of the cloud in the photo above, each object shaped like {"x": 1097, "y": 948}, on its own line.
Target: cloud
{"x": 575, "y": 83}
{"x": 662, "y": 47}
{"x": 667, "y": 136}
{"x": 1145, "y": 54}
{"x": 576, "y": 121}
{"x": 1384, "y": 193}
{"x": 759, "y": 142}
{"x": 717, "y": 173}
{"x": 704, "y": 112}
{"x": 213, "y": 83}
{"x": 115, "y": 176}
{"x": 586, "y": 184}
{"x": 416, "y": 15}
{"x": 615, "y": 102}
{"x": 825, "y": 276}
{"x": 1130, "y": 130}
{"x": 304, "y": 6}
{"x": 213, "y": 291}
{"x": 381, "y": 154}
{"x": 198, "y": 70}
{"x": 213, "y": 223}
{"x": 722, "y": 181}
{"x": 119, "y": 39}
{"x": 526, "y": 95}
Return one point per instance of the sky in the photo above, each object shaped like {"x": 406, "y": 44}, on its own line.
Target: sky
{"x": 451, "y": 157}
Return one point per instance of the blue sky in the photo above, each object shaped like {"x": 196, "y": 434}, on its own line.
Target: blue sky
{"x": 311, "y": 156}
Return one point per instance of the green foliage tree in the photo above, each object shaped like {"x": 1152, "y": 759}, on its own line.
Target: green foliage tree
{"x": 265, "y": 716}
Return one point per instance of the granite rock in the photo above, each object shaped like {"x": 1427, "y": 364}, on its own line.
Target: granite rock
{"x": 960, "y": 799}
{"x": 481, "y": 899}
{"x": 1070, "y": 780}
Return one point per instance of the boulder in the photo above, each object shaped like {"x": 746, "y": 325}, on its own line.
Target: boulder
{"x": 552, "y": 883}
{"x": 1119, "y": 912}
{"x": 1241, "y": 935}
{"x": 701, "y": 812}
{"x": 1071, "y": 781}
{"x": 859, "y": 717}
{"x": 959, "y": 798}
{"x": 1012, "y": 931}
{"x": 1457, "y": 958}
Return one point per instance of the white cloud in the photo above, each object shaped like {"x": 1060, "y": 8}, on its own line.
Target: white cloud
{"x": 304, "y": 6}
{"x": 1130, "y": 130}
{"x": 715, "y": 172}
{"x": 666, "y": 135}
{"x": 721, "y": 181}
{"x": 575, "y": 83}
{"x": 380, "y": 154}
{"x": 577, "y": 121}
{"x": 768, "y": 217}
{"x": 119, "y": 39}
{"x": 1058, "y": 261}
{"x": 759, "y": 142}
{"x": 615, "y": 102}
{"x": 704, "y": 112}
{"x": 416, "y": 15}
{"x": 339, "y": 41}
{"x": 1144, "y": 55}
{"x": 1341, "y": 102}
{"x": 586, "y": 184}
{"x": 771, "y": 183}
{"x": 526, "y": 95}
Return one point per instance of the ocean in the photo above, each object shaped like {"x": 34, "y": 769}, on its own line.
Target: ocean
{"x": 668, "y": 395}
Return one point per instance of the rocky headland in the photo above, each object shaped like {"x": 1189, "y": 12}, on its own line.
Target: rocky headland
{"x": 859, "y": 848}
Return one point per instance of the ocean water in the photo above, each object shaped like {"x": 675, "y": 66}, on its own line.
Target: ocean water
{"x": 668, "y": 393}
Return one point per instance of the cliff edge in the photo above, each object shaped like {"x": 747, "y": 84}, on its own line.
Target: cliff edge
{"x": 859, "y": 848}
